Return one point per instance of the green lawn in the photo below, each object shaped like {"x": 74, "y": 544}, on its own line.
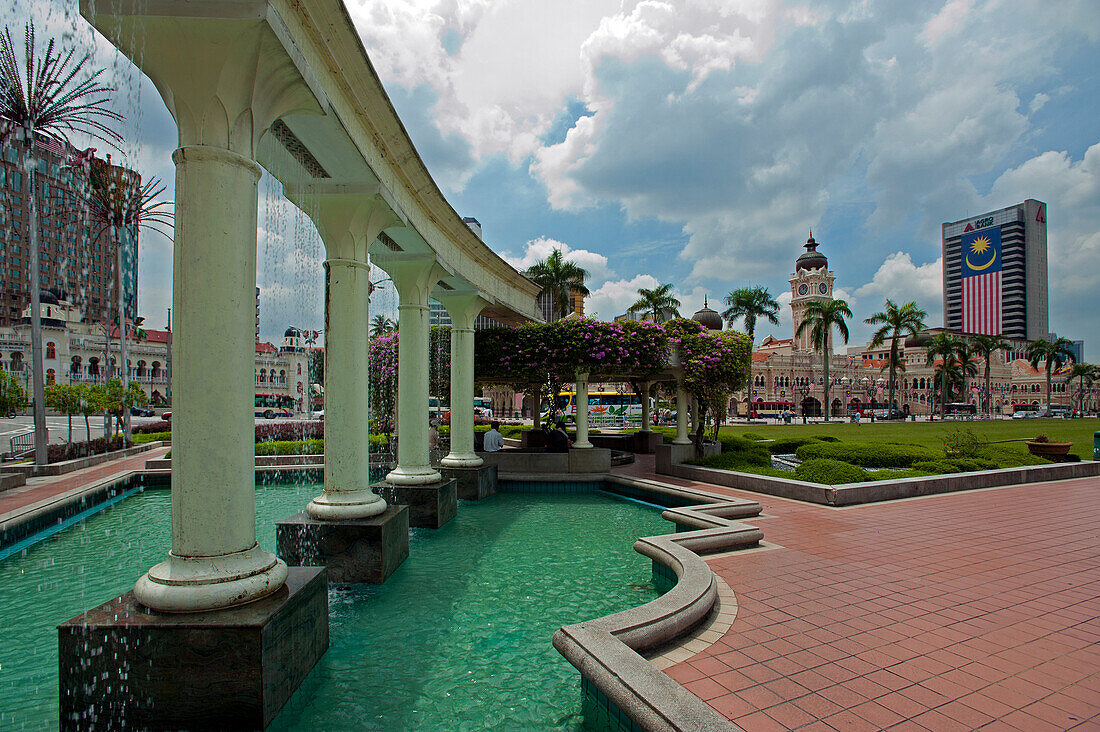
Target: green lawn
{"x": 931, "y": 434}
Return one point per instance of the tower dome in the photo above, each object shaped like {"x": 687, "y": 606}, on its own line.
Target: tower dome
{"x": 292, "y": 332}
{"x": 811, "y": 258}
{"x": 708, "y": 318}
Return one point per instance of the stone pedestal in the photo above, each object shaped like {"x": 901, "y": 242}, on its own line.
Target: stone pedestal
{"x": 353, "y": 550}
{"x": 473, "y": 483}
{"x": 122, "y": 666}
{"x": 430, "y": 505}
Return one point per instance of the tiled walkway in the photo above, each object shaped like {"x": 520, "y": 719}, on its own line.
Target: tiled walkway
{"x": 38, "y": 489}
{"x": 973, "y": 610}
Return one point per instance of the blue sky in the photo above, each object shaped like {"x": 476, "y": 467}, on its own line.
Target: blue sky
{"x": 696, "y": 142}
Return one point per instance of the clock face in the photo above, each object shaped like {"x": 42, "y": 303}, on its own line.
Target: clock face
{"x": 823, "y": 288}
{"x": 803, "y": 289}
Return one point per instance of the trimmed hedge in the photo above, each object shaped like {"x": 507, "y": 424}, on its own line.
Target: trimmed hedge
{"x": 309, "y": 447}
{"x": 160, "y": 426}
{"x": 755, "y": 462}
{"x": 786, "y": 445}
{"x": 142, "y": 438}
{"x": 869, "y": 454}
{"x": 953, "y": 465}
{"x": 753, "y": 436}
{"x": 830, "y": 472}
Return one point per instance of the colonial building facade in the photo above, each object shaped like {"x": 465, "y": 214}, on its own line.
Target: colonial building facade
{"x": 75, "y": 351}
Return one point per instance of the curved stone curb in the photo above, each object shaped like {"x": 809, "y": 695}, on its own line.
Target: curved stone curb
{"x": 606, "y": 650}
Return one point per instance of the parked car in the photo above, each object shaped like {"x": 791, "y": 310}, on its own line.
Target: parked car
{"x": 142, "y": 412}
{"x": 167, "y": 416}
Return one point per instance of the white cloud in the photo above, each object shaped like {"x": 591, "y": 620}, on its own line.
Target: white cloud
{"x": 538, "y": 249}
{"x": 902, "y": 281}
{"x": 614, "y": 297}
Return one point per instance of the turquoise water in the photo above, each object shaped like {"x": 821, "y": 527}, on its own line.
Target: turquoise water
{"x": 458, "y": 638}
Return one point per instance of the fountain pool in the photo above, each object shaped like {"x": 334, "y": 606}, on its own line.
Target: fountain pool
{"x": 458, "y": 638}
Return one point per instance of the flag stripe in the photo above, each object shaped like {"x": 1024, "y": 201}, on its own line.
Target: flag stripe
{"x": 981, "y": 303}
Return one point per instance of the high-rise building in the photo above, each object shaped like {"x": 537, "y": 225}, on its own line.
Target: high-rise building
{"x": 995, "y": 272}
{"x": 812, "y": 280}
{"x": 77, "y": 259}
{"x": 438, "y": 317}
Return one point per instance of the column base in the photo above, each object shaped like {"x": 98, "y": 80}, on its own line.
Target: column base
{"x": 200, "y": 584}
{"x": 421, "y": 475}
{"x": 346, "y": 505}
{"x": 582, "y": 445}
{"x": 473, "y": 483}
{"x": 682, "y": 441}
{"x": 430, "y": 505}
{"x": 469, "y": 460}
{"x": 228, "y": 669}
{"x": 358, "y": 550}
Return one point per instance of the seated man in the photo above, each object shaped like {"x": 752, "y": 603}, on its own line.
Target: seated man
{"x": 493, "y": 439}
{"x": 556, "y": 439}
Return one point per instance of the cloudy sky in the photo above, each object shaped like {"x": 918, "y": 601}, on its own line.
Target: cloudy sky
{"x": 696, "y": 142}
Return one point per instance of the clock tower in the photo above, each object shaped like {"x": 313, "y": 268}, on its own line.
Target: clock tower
{"x": 811, "y": 280}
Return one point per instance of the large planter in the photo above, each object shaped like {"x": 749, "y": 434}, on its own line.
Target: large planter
{"x": 1050, "y": 450}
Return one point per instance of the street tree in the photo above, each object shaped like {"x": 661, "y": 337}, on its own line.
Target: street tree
{"x": 985, "y": 346}
{"x": 751, "y": 304}
{"x": 948, "y": 348}
{"x": 64, "y": 399}
{"x": 1053, "y": 354}
{"x": 558, "y": 278}
{"x": 657, "y": 302}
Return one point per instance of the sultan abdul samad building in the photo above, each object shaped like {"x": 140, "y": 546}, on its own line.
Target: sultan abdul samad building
{"x": 789, "y": 370}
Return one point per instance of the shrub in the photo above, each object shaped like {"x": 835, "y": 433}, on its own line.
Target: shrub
{"x": 141, "y": 439}
{"x": 291, "y": 447}
{"x": 785, "y": 445}
{"x": 752, "y": 436}
{"x": 289, "y": 431}
{"x": 953, "y": 465}
{"x": 826, "y": 438}
{"x": 830, "y": 472}
{"x": 961, "y": 442}
{"x": 62, "y": 452}
{"x": 869, "y": 454}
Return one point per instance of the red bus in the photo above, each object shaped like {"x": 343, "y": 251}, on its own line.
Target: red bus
{"x": 770, "y": 410}
{"x": 271, "y": 406}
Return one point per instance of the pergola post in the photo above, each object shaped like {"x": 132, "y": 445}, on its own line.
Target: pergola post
{"x": 582, "y": 412}
{"x": 348, "y": 218}
{"x": 463, "y": 307}
{"x": 413, "y": 277}
{"x": 682, "y": 407}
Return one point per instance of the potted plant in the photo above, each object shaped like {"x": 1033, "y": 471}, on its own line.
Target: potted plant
{"x": 1043, "y": 447}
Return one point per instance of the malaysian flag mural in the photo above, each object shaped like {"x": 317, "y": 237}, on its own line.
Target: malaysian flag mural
{"x": 981, "y": 281}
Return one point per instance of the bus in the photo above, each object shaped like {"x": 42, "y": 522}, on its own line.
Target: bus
{"x": 271, "y": 406}
{"x": 960, "y": 410}
{"x": 1023, "y": 410}
{"x": 483, "y": 407}
{"x": 881, "y": 410}
{"x": 605, "y": 408}
{"x": 770, "y": 410}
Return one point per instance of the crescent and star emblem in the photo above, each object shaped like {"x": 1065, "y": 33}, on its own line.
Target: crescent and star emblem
{"x": 980, "y": 246}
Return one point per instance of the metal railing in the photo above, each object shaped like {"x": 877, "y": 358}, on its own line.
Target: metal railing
{"x": 23, "y": 445}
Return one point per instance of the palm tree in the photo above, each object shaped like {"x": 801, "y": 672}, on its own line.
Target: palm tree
{"x": 558, "y": 278}
{"x": 953, "y": 375}
{"x": 122, "y": 205}
{"x": 43, "y": 94}
{"x": 967, "y": 363}
{"x": 1054, "y": 354}
{"x": 1083, "y": 372}
{"x": 656, "y": 301}
{"x": 751, "y": 303}
{"x": 381, "y": 325}
{"x": 895, "y": 322}
{"x": 820, "y": 318}
{"x": 947, "y": 347}
{"x": 985, "y": 346}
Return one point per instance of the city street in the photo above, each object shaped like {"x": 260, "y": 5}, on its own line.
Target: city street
{"x": 58, "y": 427}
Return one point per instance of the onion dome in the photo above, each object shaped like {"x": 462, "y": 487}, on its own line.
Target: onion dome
{"x": 292, "y": 332}
{"x": 708, "y": 318}
{"x": 47, "y": 297}
{"x": 811, "y": 258}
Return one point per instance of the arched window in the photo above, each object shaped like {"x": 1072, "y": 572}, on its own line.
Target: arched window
{"x": 51, "y": 349}
{"x": 282, "y": 376}
{"x": 51, "y": 376}
{"x": 156, "y": 370}
{"x": 263, "y": 375}
{"x": 299, "y": 369}
{"x": 74, "y": 366}
{"x": 141, "y": 370}
{"x": 17, "y": 362}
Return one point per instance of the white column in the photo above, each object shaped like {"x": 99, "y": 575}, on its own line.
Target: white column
{"x": 414, "y": 279}
{"x": 647, "y": 419}
{"x": 348, "y": 218}
{"x": 224, "y": 83}
{"x": 215, "y": 561}
{"x": 463, "y": 307}
{"x": 682, "y": 407}
{"x": 582, "y": 412}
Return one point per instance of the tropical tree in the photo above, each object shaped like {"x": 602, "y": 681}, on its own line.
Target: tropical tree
{"x": 558, "y": 278}
{"x": 64, "y": 398}
{"x": 895, "y": 322}
{"x": 49, "y": 94}
{"x": 947, "y": 347}
{"x": 91, "y": 402}
{"x": 657, "y": 302}
{"x": 751, "y": 303}
{"x": 1054, "y": 354}
{"x": 1083, "y": 372}
{"x": 985, "y": 346}
{"x": 821, "y": 318}
{"x": 117, "y": 400}
{"x": 380, "y": 324}
{"x": 122, "y": 205}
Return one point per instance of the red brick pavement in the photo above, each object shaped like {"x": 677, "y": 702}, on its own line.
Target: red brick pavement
{"x": 38, "y": 489}
{"x": 972, "y": 610}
